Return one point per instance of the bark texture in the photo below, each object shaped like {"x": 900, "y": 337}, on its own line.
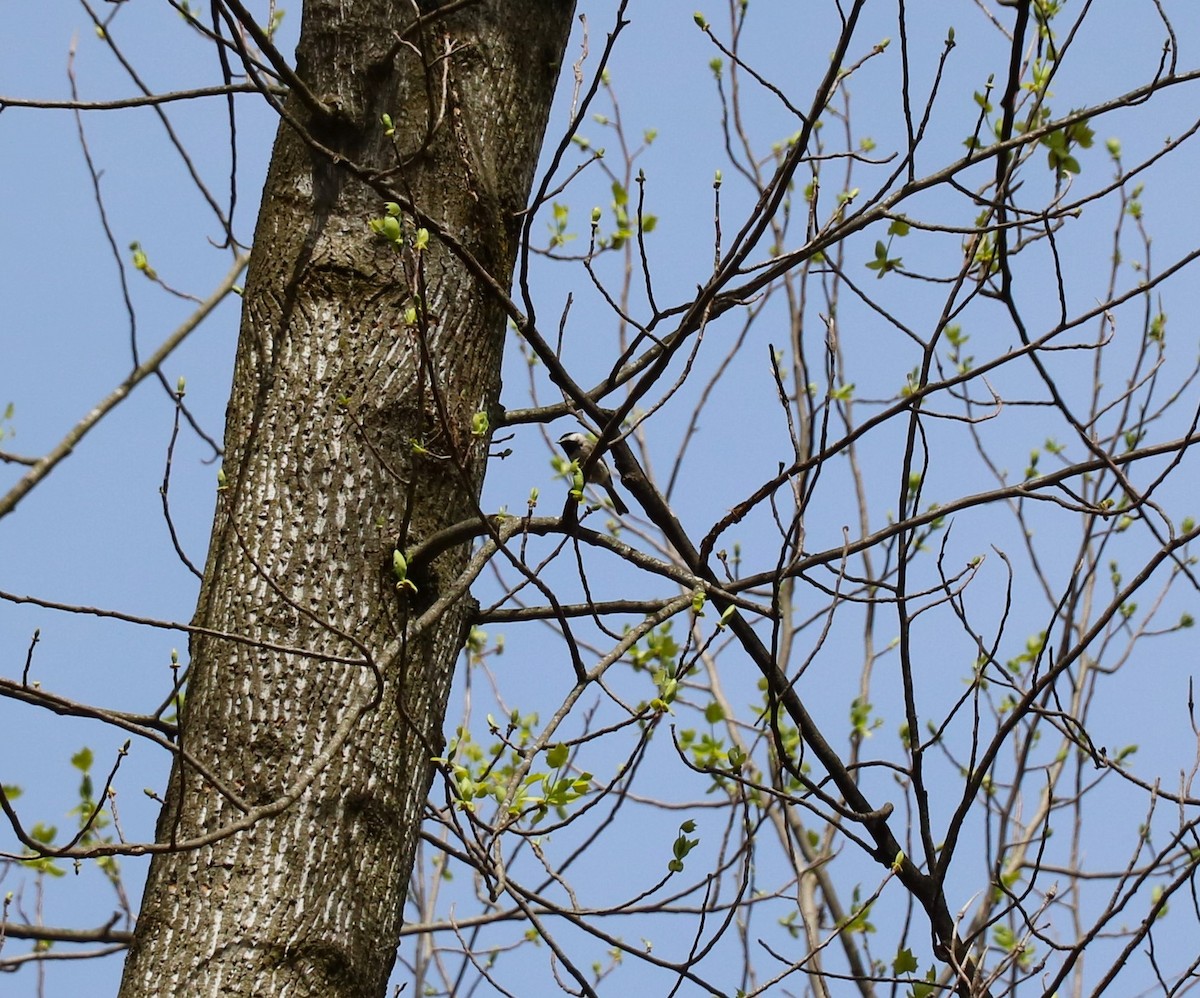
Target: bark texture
{"x": 325, "y": 763}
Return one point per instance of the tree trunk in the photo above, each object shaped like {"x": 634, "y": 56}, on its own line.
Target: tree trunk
{"x": 359, "y": 368}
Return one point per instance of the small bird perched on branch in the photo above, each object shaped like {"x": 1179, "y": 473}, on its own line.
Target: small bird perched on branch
{"x": 578, "y": 447}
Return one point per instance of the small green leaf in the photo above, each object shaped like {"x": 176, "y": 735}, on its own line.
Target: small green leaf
{"x": 905, "y": 962}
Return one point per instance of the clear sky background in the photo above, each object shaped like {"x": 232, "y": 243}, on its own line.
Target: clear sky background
{"x": 94, "y": 533}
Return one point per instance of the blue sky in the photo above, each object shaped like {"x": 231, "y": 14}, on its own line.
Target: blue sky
{"x": 93, "y": 533}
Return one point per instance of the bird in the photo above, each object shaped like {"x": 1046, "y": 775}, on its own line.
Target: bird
{"x": 578, "y": 447}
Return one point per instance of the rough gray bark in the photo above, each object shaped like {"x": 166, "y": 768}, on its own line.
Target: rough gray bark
{"x": 326, "y": 763}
